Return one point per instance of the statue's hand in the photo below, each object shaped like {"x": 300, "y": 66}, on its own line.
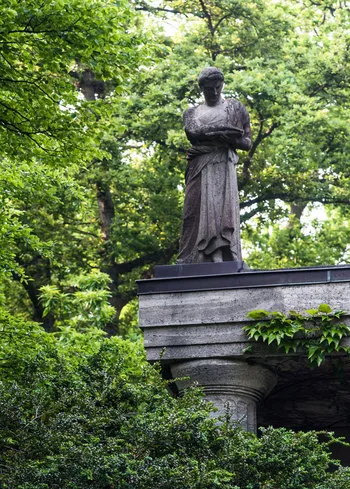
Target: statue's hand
{"x": 213, "y": 135}
{"x": 227, "y": 136}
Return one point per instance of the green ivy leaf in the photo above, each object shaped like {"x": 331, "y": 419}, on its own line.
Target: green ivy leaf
{"x": 324, "y": 308}
{"x": 312, "y": 312}
{"x": 316, "y": 336}
{"x": 258, "y": 314}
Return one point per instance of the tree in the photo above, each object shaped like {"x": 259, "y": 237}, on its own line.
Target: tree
{"x": 299, "y": 242}
{"x": 120, "y": 212}
{"x": 49, "y": 134}
{"x": 42, "y": 43}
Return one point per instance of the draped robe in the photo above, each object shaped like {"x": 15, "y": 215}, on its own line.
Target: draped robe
{"x": 211, "y": 210}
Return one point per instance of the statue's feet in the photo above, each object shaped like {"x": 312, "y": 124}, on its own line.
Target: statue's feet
{"x": 216, "y": 257}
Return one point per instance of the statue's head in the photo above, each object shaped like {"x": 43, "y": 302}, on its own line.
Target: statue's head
{"x": 211, "y": 82}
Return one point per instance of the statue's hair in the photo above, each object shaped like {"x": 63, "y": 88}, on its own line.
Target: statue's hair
{"x": 209, "y": 74}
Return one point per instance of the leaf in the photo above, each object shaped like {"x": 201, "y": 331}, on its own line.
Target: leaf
{"x": 319, "y": 360}
{"x": 312, "y": 312}
{"x": 271, "y": 338}
{"x": 258, "y": 314}
{"x": 324, "y": 308}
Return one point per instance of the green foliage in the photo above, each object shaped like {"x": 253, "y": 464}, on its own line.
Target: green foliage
{"x": 316, "y": 333}
{"x": 129, "y": 321}
{"x": 21, "y": 342}
{"x": 82, "y": 305}
{"x": 82, "y": 411}
{"x": 40, "y": 112}
{"x": 50, "y": 135}
{"x": 340, "y": 480}
{"x": 92, "y": 157}
{"x": 299, "y": 242}
{"x": 93, "y": 181}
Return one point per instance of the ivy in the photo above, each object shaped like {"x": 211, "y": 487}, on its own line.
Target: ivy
{"x": 317, "y": 333}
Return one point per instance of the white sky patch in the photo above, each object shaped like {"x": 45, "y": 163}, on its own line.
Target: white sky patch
{"x": 315, "y": 213}
{"x": 135, "y": 153}
{"x": 171, "y": 27}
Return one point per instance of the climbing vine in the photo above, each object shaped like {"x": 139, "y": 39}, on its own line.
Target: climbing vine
{"x": 317, "y": 332}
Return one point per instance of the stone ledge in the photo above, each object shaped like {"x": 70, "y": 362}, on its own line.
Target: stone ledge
{"x": 209, "y": 323}
{"x": 220, "y": 276}
{"x": 187, "y": 319}
{"x": 196, "y": 269}
{"x": 231, "y": 306}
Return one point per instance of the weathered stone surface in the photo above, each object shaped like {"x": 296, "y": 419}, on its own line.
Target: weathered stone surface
{"x": 211, "y": 218}
{"x": 232, "y": 306}
{"x": 199, "y": 333}
{"x": 188, "y": 341}
{"x": 234, "y": 387}
{"x": 209, "y": 324}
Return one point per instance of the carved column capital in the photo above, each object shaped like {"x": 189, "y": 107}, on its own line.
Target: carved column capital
{"x": 232, "y": 386}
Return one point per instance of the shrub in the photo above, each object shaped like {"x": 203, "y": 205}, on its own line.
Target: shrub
{"x": 86, "y": 412}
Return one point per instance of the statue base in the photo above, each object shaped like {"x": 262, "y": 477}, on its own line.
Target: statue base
{"x": 195, "y": 269}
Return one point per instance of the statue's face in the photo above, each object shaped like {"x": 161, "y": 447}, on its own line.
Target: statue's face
{"x": 212, "y": 91}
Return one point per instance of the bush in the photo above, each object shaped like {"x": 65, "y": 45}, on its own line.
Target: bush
{"x": 86, "y": 412}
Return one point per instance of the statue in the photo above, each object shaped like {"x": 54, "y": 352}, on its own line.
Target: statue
{"x": 211, "y": 223}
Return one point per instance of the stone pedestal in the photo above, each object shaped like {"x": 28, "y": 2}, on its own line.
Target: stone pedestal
{"x": 193, "y": 323}
{"x": 234, "y": 387}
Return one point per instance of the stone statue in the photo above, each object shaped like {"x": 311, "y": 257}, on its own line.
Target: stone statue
{"x": 211, "y": 224}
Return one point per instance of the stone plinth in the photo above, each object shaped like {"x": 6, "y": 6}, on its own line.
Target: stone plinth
{"x": 193, "y": 322}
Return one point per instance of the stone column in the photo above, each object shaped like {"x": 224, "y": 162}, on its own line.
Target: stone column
{"x": 231, "y": 385}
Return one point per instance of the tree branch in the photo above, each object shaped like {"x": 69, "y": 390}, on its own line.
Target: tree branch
{"x": 260, "y": 137}
{"x": 160, "y": 9}
{"x": 208, "y": 17}
{"x": 12, "y": 109}
{"x": 219, "y": 22}
{"x": 27, "y": 134}
{"x": 157, "y": 256}
{"x": 290, "y": 198}
{"x": 43, "y": 31}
